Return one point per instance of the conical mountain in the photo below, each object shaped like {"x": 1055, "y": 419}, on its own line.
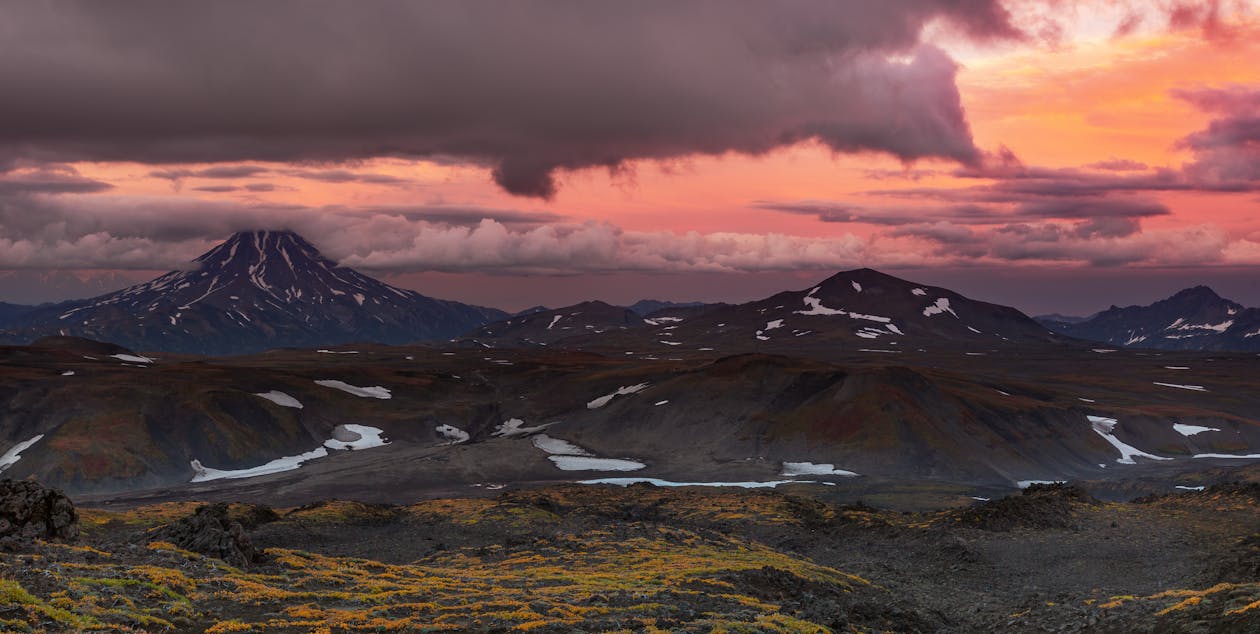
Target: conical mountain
{"x": 257, "y": 290}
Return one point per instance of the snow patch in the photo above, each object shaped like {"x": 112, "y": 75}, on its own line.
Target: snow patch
{"x": 621, "y": 391}
{"x": 940, "y": 306}
{"x": 558, "y": 446}
{"x": 364, "y": 392}
{"x": 810, "y": 468}
{"x": 814, "y": 307}
{"x": 1024, "y": 484}
{"x": 203, "y": 473}
{"x": 131, "y": 358}
{"x": 1106, "y": 427}
{"x": 918, "y": 291}
{"x": 554, "y": 320}
{"x": 1195, "y": 388}
{"x": 14, "y": 453}
{"x": 516, "y": 427}
{"x": 68, "y": 373}
{"x": 368, "y": 437}
{"x": 857, "y": 287}
{"x": 1186, "y": 488}
{"x": 1190, "y": 430}
{"x": 281, "y": 399}
{"x": 586, "y": 463}
{"x": 453, "y": 434}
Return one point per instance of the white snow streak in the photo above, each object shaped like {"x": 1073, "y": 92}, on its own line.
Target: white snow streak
{"x": 621, "y": 391}
{"x": 11, "y": 456}
{"x": 1196, "y": 388}
{"x": 364, "y": 392}
{"x": 1106, "y": 427}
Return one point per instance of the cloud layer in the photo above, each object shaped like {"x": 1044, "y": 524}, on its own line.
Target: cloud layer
{"x": 526, "y": 87}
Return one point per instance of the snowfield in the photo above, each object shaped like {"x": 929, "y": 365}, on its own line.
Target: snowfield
{"x": 363, "y": 392}
{"x": 281, "y": 399}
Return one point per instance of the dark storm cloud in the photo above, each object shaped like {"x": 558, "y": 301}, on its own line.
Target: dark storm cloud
{"x": 49, "y": 181}
{"x": 218, "y": 171}
{"x": 974, "y": 214}
{"x": 346, "y": 176}
{"x": 1090, "y": 208}
{"x": 1119, "y": 165}
{"x": 466, "y": 215}
{"x": 1227, "y": 152}
{"x": 525, "y": 87}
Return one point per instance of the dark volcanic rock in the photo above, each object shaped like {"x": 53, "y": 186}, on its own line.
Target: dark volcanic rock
{"x": 30, "y": 511}
{"x": 1039, "y": 506}
{"x": 211, "y": 531}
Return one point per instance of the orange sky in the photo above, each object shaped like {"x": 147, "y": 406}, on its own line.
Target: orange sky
{"x": 1087, "y": 97}
{"x": 1066, "y": 106}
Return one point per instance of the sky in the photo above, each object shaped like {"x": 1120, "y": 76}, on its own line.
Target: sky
{"x": 1054, "y": 155}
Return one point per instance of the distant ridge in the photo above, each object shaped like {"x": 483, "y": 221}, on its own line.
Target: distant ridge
{"x": 1195, "y": 318}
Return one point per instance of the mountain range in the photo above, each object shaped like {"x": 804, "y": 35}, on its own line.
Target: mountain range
{"x": 1193, "y": 319}
{"x": 256, "y": 291}
{"x": 263, "y": 290}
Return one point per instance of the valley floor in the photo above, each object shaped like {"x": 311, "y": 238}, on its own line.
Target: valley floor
{"x": 643, "y": 558}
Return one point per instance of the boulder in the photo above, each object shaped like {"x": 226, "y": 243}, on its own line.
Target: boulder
{"x": 29, "y": 511}
{"x": 211, "y": 531}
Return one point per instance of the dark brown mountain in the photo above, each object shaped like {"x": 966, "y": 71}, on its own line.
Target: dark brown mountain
{"x": 549, "y": 326}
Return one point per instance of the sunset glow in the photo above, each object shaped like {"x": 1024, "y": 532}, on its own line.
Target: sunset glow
{"x": 1087, "y": 157}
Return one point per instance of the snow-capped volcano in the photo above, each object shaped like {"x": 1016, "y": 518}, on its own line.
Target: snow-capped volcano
{"x": 257, "y": 290}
